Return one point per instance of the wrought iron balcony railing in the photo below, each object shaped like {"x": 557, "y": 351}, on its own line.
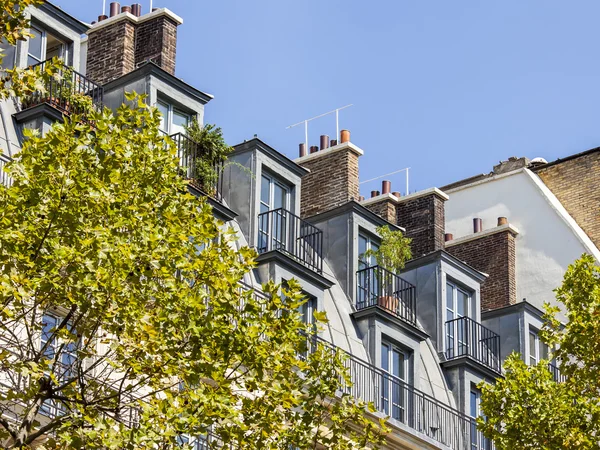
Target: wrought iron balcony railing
{"x": 202, "y": 173}
{"x": 65, "y": 91}
{"x": 281, "y": 230}
{"x": 400, "y": 401}
{"x": 555, "y": 370}
{"x": 465, "y": 337}
{"x": 377, "y": 286}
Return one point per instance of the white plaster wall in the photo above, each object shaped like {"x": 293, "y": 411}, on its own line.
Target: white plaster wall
{"x": 548, "y": 241}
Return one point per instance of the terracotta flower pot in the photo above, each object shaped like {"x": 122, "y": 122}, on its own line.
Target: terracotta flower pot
{"x": 389, "y": 302}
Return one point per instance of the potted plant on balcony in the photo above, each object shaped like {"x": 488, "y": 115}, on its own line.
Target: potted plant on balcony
{"x": 391, "y": 256}
{"x": 209, "y": 154}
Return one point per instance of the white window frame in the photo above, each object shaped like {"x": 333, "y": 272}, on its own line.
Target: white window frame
{"x": 535, "y": 355}
{"x": 478, "y": 441}
{"x": 64, "y": 53}
{"x": 171, "y": 110}
{"x": 389, "y": 387}
{"x": 456, "y": 342}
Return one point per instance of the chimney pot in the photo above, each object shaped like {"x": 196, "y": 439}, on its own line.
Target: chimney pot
{"x": 126, "y": 9}
{"x": 344, "y": 136}
{"x": 302, "y": 149}
{"x": 361, "y": 198}
{"x": 324, "y": 141}
{"x": 502, "y": 221}
{"x": 386, "y": 187}
{"x": 374, "y": 194}
{"x": 114, "y": 8}
{"x": 154, "y": 9}
{"x": 136, "y": 9}
{"x": 477, "y": 225}
{"x": 102, "y": 17}
{"x": 314, "y": 149}
{"x": 397, "y": 194}
{"x": 448, "y": 237}
{"x": 333, "y": 143}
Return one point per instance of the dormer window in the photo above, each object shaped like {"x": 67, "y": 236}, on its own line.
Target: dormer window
{"x": 43, "y": 46}
{"x": 173, "y": 120}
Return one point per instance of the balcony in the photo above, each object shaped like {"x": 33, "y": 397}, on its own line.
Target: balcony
{"x": 202, "y": 174}
{"x": 66, "y": 91}
{"x": 379, "y": 287}
{"x": 404, "y": 403}
{"x": 283, "y": 231}
{"x": 467, "y": 338}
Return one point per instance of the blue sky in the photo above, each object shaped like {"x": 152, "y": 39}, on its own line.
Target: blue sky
{"x": 447, "y": 88}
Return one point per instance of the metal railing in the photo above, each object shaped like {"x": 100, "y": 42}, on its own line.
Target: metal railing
{"x": 5, "y": 179}
{"x": 62, "y": 89}
{"x": 555, "y": 371}
{"x": 377, "y": 286}
{"x": 281, "y": 230}
{"x": 465, "y": 337}
{"x": 202, "y": 173}
{"x": 400, "y": 401}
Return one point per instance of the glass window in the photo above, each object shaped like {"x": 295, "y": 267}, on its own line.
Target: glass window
{"x": 36, "y": 46}
{"x": 365, "y": 243}
{"x": 65, "y": 361}
{"x": 44, "y": 45}
{"x": 478, "y": 441}
{"x": 307, "y": 310}
{"x": 393, "y": 387}
{"x": 537, "y": 349}
{"x": 172, "y": 121}
{"x": 9, "y": 54}
{"x": 458, "y": 305}
{"x": 273, "y": 218}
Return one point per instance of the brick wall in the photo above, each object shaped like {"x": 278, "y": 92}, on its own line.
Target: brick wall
{"x": 118, "y": 48}
{"x": 385, "y": 208}
{"x": 576, "y": 184}
{"x": 423, "y": 218}
{"x": 493, "y": 254}
{"x": 111, "y": 52}
{"x": 332, "y": 181}
{"x": 156, "y": 40}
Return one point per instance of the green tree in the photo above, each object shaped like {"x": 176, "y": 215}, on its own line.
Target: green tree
{"x": 529, "y": 408}
{"x": 394, "y": 250}
{"x": 121, "y": 304}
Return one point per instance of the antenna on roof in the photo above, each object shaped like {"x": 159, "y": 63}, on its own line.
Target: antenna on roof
{"x": 150, "y": 5}
{"x": 388, "y": 174}
{"x": 103, "y": 7}
{"x": 337, "y": 122}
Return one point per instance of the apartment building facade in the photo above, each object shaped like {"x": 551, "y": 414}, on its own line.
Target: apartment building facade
{"x": 417, "y": 342}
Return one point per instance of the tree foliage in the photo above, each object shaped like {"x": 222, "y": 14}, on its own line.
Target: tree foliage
{"x": 155, "y": 337}
{"x": 532, "y": 409}
{"x": 394, "y": 250}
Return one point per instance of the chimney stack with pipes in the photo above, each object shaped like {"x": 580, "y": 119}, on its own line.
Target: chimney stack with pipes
{"x": 118, "y": 44}
{"x": 333, "y": 177}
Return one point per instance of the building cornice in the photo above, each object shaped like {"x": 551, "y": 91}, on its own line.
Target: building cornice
{"x": 354, "y": 207}
{"x": 134, "y": 19}
{"x": 328, "y": 151}
{"x": 473, "y": 237}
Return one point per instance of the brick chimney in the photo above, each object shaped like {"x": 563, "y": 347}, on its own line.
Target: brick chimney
{"x": 118, "y": 44}
{"x": 422, "y": 215}
{"x": 491, "y": 251}
{"x": 383, "y": 204}
{"x": 333, "y": 177}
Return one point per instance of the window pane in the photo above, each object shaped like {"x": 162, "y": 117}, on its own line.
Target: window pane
{"x": 265, "y": 191}
{"x": 164, "y": 111}
{"x": 373, "y": 260}
{"x": 474, "y": 404}
{"x": 9, "y": 51}
{"x": 180, "y": 121}
{"x": 399, "y": 365}
{"x": 385, "y": 357}
{"x": 35, "y": 44}
{"x": 462, "y": 303}
{"x": 362, "y": 248}
{"x": 280, "y": 194}
{"x": 450, "y": 298}
{"x": 532, "y": 348}
{"x": 543, "y": 350}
